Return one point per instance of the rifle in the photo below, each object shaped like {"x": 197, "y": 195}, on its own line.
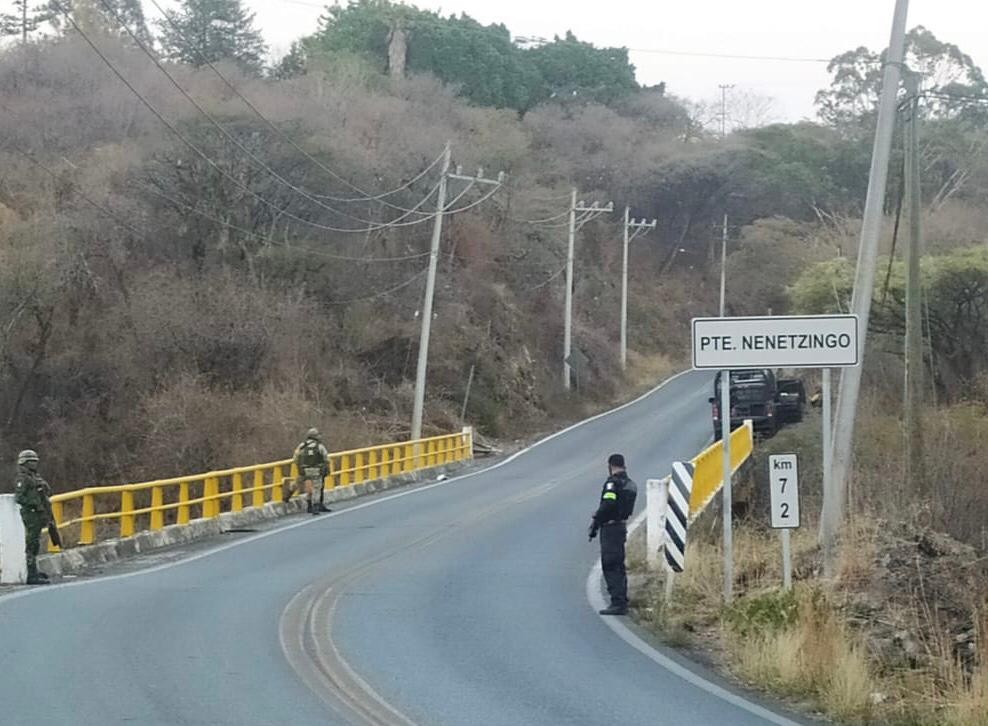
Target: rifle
{"x": 56, "y": 538}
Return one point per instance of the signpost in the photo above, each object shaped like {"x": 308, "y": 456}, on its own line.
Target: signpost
{"x": 812, "y": 341}
{"x": 783, "y": 474}
{"x": 792, "y": 341}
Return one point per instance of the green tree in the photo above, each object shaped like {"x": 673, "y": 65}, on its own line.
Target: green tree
{"x": 24, "y": 20}
{"x": 955, "y": 312}
{"x": 211, "y": 31}
{"x": 482, "y": 61}
{"x": 572, "y": 69}
{"x": 948, "y": 74}
{"x": 100, "y": 17}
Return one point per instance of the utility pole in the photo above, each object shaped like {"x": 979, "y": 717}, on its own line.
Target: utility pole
{"x": 592, "y": 212}
{"x": 915, "y": 474}
{"x": 724, "y": 88}
{"x": 864, "y": 283}
{"x": 632, "y": 229}
{"x": 723, "y": 266}
{"x": 430, "y": 285}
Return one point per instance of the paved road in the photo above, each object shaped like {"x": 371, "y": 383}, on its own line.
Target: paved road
{"x": 459, "y": 603}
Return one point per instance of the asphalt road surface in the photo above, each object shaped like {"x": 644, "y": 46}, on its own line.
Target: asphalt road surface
{"x": 463, "y": 602}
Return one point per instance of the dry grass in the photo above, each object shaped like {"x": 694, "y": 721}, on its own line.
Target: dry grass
{"x": 810, "y": 655}
{"x": 968, "y": 702}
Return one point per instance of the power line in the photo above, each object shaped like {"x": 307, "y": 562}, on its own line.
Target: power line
{"x": 102, "y": 208}
{"x": 730, "y": 56}
{"x": 199, "y": 152}
{"x": 382, "y": 293}
{"x": 264, "y": 238}
{"x": 223, "y": 131}
{"x": 126, "y": 225}
{"x": 366, "y": 196}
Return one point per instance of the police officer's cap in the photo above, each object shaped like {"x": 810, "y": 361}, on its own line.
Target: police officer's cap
{"x": 616, "y": 460}
{"x": 312, "y": 434}
{"x": 26, "y": 456}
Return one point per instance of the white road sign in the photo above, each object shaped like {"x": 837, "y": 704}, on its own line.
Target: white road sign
{"x": 810, "y": 341}
{"x": 783, "y": 472}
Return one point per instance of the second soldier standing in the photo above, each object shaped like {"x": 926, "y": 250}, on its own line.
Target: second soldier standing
{"x": 312, "y": 461}
{"x": 617, "y": 503}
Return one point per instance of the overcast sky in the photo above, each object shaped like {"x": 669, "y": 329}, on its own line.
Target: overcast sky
{"x": 797, "y": 28}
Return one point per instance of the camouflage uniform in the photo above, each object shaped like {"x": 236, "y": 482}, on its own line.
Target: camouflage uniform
{"x": 31, "y": 494}
{"x": 312, "y": 462}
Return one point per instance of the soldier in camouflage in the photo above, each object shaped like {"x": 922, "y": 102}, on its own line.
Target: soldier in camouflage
{"x": 312, "y": 462}
{"x": 31, "y": 494}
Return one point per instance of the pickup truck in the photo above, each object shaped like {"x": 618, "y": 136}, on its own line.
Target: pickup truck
{"x": 758, "y": 395}
{"x": 792, "y": 400}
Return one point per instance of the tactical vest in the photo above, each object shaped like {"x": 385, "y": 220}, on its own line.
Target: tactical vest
{"x": 310, "y": 455}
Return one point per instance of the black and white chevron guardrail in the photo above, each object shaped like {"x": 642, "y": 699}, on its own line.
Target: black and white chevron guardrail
{"x": 678, "y": 513}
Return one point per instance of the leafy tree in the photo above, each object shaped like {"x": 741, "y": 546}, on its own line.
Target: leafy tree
{"x": 24, "y": 20}
{"x": 213, "y": 31}
{"x": 481, "y": 60}
{"x": 948, "y": 73}
{"x": 94, "y": 17}
{"x": 955, "y": 312}
{"x": 571, "y": 68}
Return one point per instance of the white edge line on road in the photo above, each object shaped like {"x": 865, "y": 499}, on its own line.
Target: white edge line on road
{"x": 315, "y": 520}
{"x": 596, "y": 598}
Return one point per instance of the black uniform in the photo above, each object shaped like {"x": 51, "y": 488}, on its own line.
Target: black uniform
{"x": 617, "y": 502}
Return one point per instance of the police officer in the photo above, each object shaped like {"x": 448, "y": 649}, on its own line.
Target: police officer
{"x": 617, "y": 502}
{"x": 312, "y": 461}
{"x": 31, "y": 494}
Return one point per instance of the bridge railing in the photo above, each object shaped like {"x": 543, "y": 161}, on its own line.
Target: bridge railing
{"x": 92, "y": 514}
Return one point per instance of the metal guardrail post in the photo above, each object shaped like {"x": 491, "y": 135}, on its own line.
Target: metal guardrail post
{"x": 157, "y": 514}
{"x": 276, "y": 484}
{"x": 126, "y": 518}
{"x": 183, "y": 503}
{"x": 344, "y": 470}
{"x": 359, "y": 474}
{"x": 86, "y": 527}
{"x": 257, "y": 498}
{"x": 210, "y": 506}
{"x": 237, "y": 502}
{"x": 372, "y": 464}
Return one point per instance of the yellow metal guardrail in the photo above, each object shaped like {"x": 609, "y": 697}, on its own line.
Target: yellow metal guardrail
{"x": 708, "y": 466}
{"x": 88, "y": 514}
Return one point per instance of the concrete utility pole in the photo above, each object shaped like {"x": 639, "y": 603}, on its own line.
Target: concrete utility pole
{"x": 632, "y": 229}
{"x": 430, "y": 285}
{"x": 913, "y": 394}
{"x": 724, "y": 88}
{"x": 723, "y": 266}
{"x": 593, "y": 211}
{"x": 864, "y": 282}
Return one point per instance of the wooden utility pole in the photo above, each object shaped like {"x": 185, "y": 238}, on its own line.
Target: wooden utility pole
{"x": 913, "y": 393}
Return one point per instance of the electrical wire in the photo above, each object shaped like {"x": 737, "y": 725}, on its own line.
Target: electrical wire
{"x": 366, "y": 196}
{"x": 730, "y": 56}
{"x": 263, "y": 238}
{"x": 102, "y": 208}
{"x": 382, "y": 293}
{"x": 138, "y": 233}
{"x": 222, "y": 130}
{"x": 199, "y": 152}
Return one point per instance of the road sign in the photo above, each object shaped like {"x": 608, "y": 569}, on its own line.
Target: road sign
{"x": 808, "y": 341}
{"x": 783, "y": 470}
{"x": 678, "y": 514}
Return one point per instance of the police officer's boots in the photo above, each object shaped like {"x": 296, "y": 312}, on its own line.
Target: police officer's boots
{"x": 34, "y": 577}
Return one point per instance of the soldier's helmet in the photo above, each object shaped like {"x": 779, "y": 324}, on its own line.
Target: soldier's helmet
{"x": 312, "y": 434}
{"x": 26, "y": 456}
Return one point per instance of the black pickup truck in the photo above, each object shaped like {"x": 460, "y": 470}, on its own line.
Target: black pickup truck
{"x": 758, "y": 395}
{"x": 792, "y": 400}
